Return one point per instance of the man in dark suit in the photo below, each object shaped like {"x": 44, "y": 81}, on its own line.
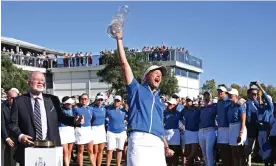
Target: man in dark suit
{"x": 36, "y": 116}
{"x": 8, "y": 143}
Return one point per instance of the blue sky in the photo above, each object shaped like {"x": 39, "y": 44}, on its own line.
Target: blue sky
{"x": 236, "y": 40}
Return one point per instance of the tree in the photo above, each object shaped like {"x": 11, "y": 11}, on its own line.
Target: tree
{"x": 112, "y": 73}
{"x": 11, "y": 76}
{"x": 210, "y": 86}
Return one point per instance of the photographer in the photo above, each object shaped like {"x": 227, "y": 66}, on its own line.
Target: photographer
{"x": 253, "y": 110}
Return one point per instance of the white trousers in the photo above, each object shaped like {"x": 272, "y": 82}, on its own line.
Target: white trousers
{"x": 207, "y": 138}
{"x": 145, "y": 149}
{"x": 116, "y": 140}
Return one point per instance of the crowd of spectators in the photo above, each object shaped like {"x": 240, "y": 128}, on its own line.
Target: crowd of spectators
{"x": 157, "y": 53}
{"x": 29, "y": 58}
{"x": 77, "y": 59}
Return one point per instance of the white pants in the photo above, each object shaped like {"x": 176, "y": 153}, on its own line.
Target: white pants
{"x": 207, "y": 138}
{"x": 172, "y": 136}
{"x": 116, "y": 140}
{"x": 234, "y": 131}
{"x": 145, "y": 149}
{"x": 262, "y": 140}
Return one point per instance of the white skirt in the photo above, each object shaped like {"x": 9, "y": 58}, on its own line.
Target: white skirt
{"x": 223, "y": 135}
{"x": 145, "y": 149}
{"x": 172, "y": 136}
{"x": 234, "y": 131}
{"x": 99, "y": 134}
{"x": 191, "y": 137}
{"x": 83, "y": 135}
{"x": 67, "y": 135}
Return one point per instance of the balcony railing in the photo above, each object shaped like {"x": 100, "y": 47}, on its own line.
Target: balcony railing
{"x": 170, "y": 55}
{"x": 31, "y": 61}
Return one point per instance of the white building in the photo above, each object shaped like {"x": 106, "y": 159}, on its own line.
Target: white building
{"x": 71, "y": 81}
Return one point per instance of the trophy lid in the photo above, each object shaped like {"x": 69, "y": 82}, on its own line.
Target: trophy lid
{"x": 44, "y": 144}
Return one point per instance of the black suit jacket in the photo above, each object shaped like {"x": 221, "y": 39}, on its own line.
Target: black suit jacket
{"x": 5, "y": 120}
{"x": 22, "y": 120}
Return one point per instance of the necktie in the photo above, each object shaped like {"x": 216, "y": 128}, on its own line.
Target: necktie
{"x": 37, "y": 120}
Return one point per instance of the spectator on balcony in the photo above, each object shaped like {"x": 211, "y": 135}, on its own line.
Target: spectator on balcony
{"x": 65, "y": 60}
{"x": 81, "y": 59}
{"x": 12, "y": 52}
{"x": 77, "y": 59}
{"x": 72, "y": 59}
{"x": 90, "y": 60}
{"x": 21, "y": 52}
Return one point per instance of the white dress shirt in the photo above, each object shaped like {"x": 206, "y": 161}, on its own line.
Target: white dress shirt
{"x": 42, "y": 112}
{"x": 43, "y": 115}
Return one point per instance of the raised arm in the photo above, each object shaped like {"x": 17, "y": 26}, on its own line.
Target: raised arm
{"x": 128, "y": 75}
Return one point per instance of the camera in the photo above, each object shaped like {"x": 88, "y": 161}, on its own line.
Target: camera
{"x": 253, "y": 83}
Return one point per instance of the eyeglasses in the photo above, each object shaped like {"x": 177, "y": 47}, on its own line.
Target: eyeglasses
{"x": 117, "y": 100}
{"x": 84, "y": 98}
{"x": 100, "y": 99}
{"x": 254, "y": 94}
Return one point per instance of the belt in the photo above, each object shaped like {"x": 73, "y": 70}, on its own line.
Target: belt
{"x": 207, "y": 128}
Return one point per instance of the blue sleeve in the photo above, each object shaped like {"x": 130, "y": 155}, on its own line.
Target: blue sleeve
{"x": 181, "y": 119}
{"x": 242, "y": 109}
{"x": 269, "y": 103}
{"x": 75, "y": 111}
{"x": 132, "y": 88}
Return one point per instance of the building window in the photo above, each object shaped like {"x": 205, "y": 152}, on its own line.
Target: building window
{"x": 193, "y": 75}
{"x": 180, "y": 72}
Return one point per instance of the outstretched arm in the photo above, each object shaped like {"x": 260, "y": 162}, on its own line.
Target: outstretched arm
{"x": 128, "y": 75}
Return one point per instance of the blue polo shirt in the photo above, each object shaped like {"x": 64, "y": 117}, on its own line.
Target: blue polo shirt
{"x": 234, "y": 113}
{"x": 192, "y": 118}
{"x": 146, "y": 108}
{"x": 116, "y": 120}
{"x": 171, "y": 119}
{"x": 98, "y": 115}
{"x": 252, "y": 111}
{"x": 222, "y": 108}
{"x": 86, "y": 112}
{"x": 208, "y": 116}
{"x": 67, "y": 112}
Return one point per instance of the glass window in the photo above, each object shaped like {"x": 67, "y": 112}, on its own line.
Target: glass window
{"x": 193, "y": 75}
{"x": 180, "y": 72}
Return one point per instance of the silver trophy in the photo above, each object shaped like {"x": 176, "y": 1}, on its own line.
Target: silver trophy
{"x": 118, "y": 21}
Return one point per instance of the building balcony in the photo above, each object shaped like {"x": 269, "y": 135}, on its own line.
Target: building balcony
{"x": 165, "y": 56}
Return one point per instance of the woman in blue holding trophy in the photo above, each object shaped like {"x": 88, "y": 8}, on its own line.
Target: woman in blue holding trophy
{"x": 146, "y": 143}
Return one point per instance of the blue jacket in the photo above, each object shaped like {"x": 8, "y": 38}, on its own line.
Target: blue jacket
{"x": 145, "y": 112}
{"x": 265, "y": 110}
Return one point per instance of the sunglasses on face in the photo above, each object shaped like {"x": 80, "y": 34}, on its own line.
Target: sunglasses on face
{"x": 254, "y": 94}
{"x": 100, "y": 99}
{"x": 117, "y": 101}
